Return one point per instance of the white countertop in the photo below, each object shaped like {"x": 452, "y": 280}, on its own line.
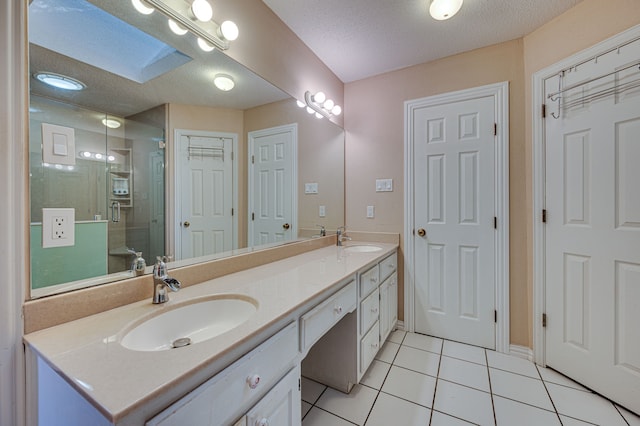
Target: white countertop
{"x": 120, "y": 382}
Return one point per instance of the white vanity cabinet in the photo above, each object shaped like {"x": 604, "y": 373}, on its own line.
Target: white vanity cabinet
{"x": 343, "y": 355}
{"x": 281, "y": 406}
{"x": 232, "y": 392}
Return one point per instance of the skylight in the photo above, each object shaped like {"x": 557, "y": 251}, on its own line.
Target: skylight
{"x": 88, "y": 34}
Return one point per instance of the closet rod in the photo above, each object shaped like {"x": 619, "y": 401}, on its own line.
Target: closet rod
{"x": 573, "y": 86}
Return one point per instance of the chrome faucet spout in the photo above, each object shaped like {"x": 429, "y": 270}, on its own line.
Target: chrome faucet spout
{"x": 341, "y": 235}
{"x": 162, "y": 281}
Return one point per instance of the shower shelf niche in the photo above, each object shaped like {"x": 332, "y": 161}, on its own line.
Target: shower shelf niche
{"x": 121, "y": 173}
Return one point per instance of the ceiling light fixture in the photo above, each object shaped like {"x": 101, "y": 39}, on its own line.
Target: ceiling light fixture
{"x": 182, "y": 13}
{"x": 142, "y": 7}
{"x": 224, "y": 82}
{"x": 111, "y": 123}
{"x": 322, "y": 106}
{"x": 444, "y": 9}
{"x": 59, "y": 81}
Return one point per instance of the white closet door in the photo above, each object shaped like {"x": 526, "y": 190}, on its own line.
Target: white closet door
{"x": 593, "y": 231}
{"x": 455, "y": 204}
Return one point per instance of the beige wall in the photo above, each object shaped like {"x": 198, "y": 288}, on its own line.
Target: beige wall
{"x": 374, "y": 129}
{"x": 320, "y": 160}
{"x": 270, "y": 49}
{"x": 375, "y": 147}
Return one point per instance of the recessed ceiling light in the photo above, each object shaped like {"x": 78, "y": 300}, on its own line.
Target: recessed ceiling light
{"x": 111, "y": 123}
{"x": 59, "y": 81}
{"x": 224, "y": 82}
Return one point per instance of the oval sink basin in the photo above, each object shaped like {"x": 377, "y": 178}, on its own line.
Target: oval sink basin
{"x": 189, "y": 322}
{"x": 362, "y": 249}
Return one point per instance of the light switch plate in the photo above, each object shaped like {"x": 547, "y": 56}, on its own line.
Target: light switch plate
{"x": 58, "y": 227}
{"x": 58, "y": 144}
{"x": 384, "y": 185}
{"x": 322, "y": 211}
{"x": 311, "y": 188}
{"x": 370, "y": 212}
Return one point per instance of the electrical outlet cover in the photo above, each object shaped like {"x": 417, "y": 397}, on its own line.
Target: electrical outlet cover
{"x": 58, "y": 227}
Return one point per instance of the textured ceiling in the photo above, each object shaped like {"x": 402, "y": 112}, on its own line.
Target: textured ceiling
{"x": 361, "y": 38}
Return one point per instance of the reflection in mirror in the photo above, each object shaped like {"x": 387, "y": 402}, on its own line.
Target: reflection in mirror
{"x": 153, "y": 158}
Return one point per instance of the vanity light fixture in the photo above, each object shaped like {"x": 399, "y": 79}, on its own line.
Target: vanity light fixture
{"x": 194, "y": 17}
{"x": 87, "y": 155}
{"x": 142, "y": 7}
{"x": 60, "y": 81}
{"x": 444, "y": 9}
{"x": 202, "y": 10}
{"x": 322, "y": 106}
{"x": 111, "y": 123}
{"x": 224, "y": 82}
{"x": 177, "y": 28}
{"x": 204, "y": 45}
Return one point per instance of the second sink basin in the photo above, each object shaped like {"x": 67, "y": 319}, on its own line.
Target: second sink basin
{"x": 189, "y": 322}
{"x": 362, "y": 248}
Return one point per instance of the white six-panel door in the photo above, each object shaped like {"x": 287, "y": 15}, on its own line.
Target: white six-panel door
{"x": 272, "y": 185}
{"x": 454, "y": 199}
{"x": 592, "y": 233}
{"x": 205, "y": 195}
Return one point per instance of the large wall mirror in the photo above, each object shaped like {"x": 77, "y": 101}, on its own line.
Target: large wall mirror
{"x": 137, "y": 151}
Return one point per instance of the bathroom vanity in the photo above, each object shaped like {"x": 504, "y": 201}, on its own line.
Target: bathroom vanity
{"x": 81, "y": 372}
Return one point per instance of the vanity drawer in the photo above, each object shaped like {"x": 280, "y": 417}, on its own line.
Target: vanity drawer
{"x": 370, "y": 310}
{"x": 388, "y": 266}
{"x": 233, "y": 391}
{"x": 369, "y": 346}
{"x": 368, "y": 281}
{"x": 317, "y": 321}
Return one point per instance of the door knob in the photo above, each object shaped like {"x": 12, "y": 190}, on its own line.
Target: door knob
{"x": 422, "y": 232}
{"x": 186, "y": 224}
{"x": 286, "y": 226}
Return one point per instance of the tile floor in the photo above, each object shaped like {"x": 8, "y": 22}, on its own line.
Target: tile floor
{"x": 422, "y": 380}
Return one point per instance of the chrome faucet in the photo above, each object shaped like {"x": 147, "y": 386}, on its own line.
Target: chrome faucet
{"x": 323, "y": 231}
{"x": 341, "y": 234}
{"x": 162, "y": 281}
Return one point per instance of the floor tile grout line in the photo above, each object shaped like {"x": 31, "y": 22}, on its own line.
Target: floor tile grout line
{"x": 553, "y": 404}
{"x": 465, "y": 360}
{"x": 621, "y": 415}
{"x": 455, "y": 417}
{"x": 493, "y": 406}
{"x": 334, "y": 414}
{"x": 435, "y": 388}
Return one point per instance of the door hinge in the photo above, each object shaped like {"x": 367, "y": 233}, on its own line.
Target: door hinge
{"x": 232, "y": 212}
{"x": 544, "y": 215}
{"x": 495, "y": 316}
{"x": 253, "y": 159}
{"x": 495, "y": 129}
{"x": 495, "y": 222}
{"x": 544, "y": 111}
{"x": 299, "y": 385}
{"x": 231, "y": 155}
{"x": 544, "y": 320}
{"x": 253, "y": 216}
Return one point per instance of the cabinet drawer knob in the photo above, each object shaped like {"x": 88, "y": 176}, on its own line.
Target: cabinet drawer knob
{"x": 374, "y": 310}
{"x": 253, "y": 381}
{"x": 262, "y": 422}
{"x": 338, "y": 309}
{"x": 374, "y": 345}
{"x": 373, "y": 279}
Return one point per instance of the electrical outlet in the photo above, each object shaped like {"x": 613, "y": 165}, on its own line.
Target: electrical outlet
{"x": 58, "y": 227}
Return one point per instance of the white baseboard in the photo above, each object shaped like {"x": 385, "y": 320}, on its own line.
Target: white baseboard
{"x": 521, "y": 352}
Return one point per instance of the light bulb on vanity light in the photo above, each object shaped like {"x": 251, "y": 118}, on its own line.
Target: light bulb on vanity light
{"x": 310, "y": 110}
{"x": 229, "y": 30}
{"x": 204, "y": 45}
{"x": 328, "y": 104}
{"x": 319, "y": 97}
{"x": 300, "y": 104}
{"x": 202, "y": 10}
{"x": 177, "y": 28}
{"x": 336, "y": 110}
{"x": 142, "y": 7}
